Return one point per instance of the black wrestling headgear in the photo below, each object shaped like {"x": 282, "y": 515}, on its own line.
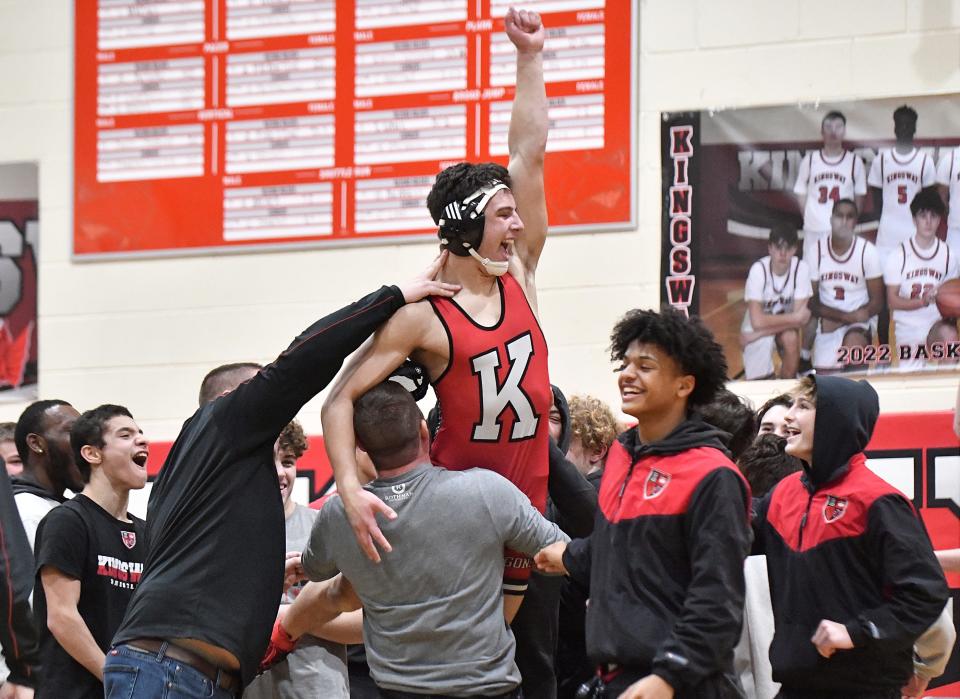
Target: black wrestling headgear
{"x": 461, "y": 226}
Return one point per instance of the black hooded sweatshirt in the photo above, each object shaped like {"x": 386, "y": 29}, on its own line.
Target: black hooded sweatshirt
{"x": 844, "y": 545}
{"x": 664, "y": 564}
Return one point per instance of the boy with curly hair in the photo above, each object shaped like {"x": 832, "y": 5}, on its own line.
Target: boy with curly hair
{"x": 664, "y": 565}
{"x": 592, "y": 430}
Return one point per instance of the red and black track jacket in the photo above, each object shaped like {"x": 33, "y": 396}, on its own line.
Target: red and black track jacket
{"x": 664, "y": 564}
{"x": 844, "y": 545}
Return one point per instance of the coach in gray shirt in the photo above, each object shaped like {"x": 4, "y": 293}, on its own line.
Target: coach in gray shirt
{"x": 433, "y": 618}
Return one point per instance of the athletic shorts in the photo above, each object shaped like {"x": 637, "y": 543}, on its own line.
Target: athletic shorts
{"x": 758, "y": 358}
{"x": 826, "y": 346}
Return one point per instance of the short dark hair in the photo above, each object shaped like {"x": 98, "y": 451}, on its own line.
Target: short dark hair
{"x": 31, "y": 422}
{"x": 784, "y": 399}
{"x": 905, "y": 112}
{"x": 834, "y": 114}
{"x": 7, "y": 431}
{"x": 764, "y": 463}
{"x": 386, "y": 421}
{"x": 88, "y": 430}
{"x": 458, "y": 181}
{"x": 784, "y": 234}
{"x": 851, "y": 202}
{"x": 731, "y": 414}
{"x": 927, "y": 199}
{"x": 221, "y": 379}
{"x": 687, "y": 340}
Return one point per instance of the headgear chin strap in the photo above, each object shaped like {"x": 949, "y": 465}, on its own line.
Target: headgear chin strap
{"x": 497, "y": 269}
{"x": 461, "y": 227}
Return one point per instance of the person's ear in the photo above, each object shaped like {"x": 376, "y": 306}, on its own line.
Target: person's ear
{"x": 598, "y": 455}
{"x": 685, "y": 385}
{"x": 91, "y": 454}
{"x": 36, "y": 443}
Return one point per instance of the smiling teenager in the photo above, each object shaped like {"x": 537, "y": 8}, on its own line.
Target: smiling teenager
{"x": 664, "y": 564}
{"x": 90, "y": 554}
{"x": 853, "y": 578}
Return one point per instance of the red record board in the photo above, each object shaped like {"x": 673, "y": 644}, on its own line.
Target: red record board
{"x": 209, "y": 125}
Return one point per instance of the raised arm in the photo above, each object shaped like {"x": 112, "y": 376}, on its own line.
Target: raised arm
{"x": 527, "y": 138}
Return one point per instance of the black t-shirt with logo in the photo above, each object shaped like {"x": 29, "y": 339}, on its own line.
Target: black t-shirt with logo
{"x": 85, "y": 542}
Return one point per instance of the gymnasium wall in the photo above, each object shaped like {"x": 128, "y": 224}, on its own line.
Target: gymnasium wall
{"x": 143, "y": 333}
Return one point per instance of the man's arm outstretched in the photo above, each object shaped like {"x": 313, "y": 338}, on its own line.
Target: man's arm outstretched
{"x": 527, "y": 139}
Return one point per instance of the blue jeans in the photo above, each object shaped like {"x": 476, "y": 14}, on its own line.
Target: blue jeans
{"x": 130, "y": 673}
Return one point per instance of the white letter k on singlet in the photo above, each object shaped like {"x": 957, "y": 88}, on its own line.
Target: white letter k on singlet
{"x": 494, "y": 399}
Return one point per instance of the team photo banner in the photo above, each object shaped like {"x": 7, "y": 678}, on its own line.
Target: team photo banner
{"x": 19, "y": 245}
{"x": 203, "y": 126}
{"x": 789, "y": 230}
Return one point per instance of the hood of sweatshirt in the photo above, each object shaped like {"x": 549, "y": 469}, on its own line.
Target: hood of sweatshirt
{"x": 847, "y": 412}
{"x": 560, "y": 401}
{"x": 20, "y": 485}
{"x": 689, "y": 434}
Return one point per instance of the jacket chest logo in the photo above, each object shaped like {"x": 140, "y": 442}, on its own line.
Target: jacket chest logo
{"x": 834, "y": 508}
{"x": 129, "y": 539}
{"x": 655, "y": 484}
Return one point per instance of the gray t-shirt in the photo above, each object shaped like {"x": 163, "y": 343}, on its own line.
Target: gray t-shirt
{"x": 316, "y": 668}
{"x": 433, "y": 614}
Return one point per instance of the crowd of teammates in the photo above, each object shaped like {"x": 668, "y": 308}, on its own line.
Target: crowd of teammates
{"x": 830, "y": 323}
{"x": 426, "y": 552}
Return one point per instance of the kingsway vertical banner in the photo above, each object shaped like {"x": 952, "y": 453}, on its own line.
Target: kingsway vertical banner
{"x": 680, "y": 146}
{"x": 209, "y": 125}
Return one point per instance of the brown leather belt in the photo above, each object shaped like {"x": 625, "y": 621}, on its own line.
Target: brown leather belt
{"x": 221, "y": 677}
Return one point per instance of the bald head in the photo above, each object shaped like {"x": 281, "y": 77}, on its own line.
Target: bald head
{"x": 225, "y": 378}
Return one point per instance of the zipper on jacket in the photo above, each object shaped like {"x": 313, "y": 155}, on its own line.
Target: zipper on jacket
{"x": 803, "y": 521}
{"x": 623, "y": 486}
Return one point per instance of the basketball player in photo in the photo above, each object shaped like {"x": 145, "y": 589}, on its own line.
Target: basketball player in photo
{"x": 948, "y": 181}
{"x": 847, "y": 283}
{"x": 776, "y": 293}
{"x": 898, "y": 174}
{"x": 913, "y": 274}
{"x": 825, "y": 176}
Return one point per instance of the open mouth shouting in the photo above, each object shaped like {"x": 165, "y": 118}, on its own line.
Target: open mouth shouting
{"x": 140, "y": 458}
